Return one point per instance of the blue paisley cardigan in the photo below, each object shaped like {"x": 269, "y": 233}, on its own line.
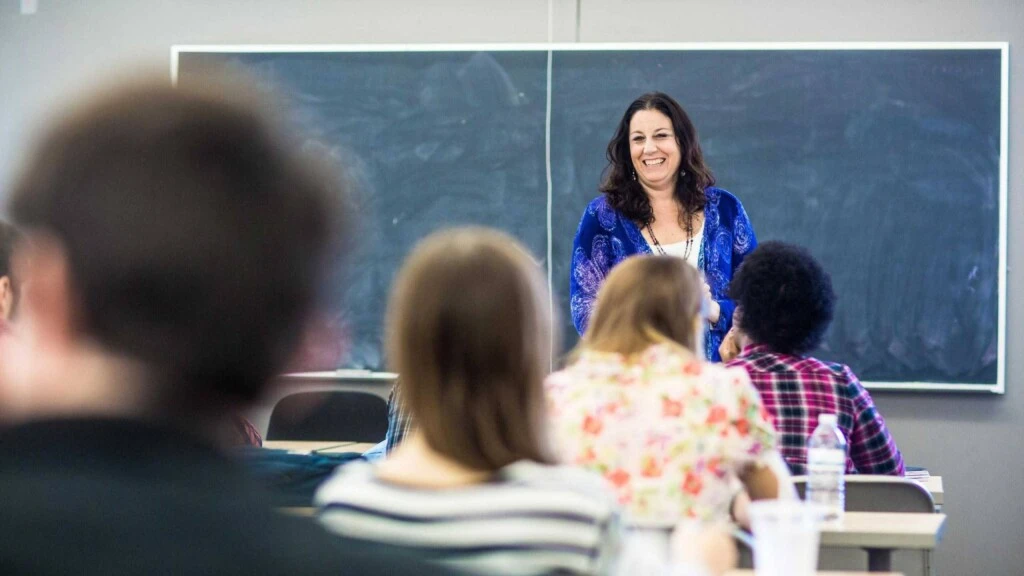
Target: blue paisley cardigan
{"x": 605, "y": 237}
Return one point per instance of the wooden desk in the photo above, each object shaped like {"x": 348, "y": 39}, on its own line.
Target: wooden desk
{"x": 303, "y": 511}
{"x": 353, "y": 447}
{"x": 319, "y": 446}
{"x": 305, "y": 447}
{"x": 820, "y": 573}
{"x": 879, "y": 533}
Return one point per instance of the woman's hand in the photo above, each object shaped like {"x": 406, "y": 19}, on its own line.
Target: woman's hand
{"x": 730, "y": 347}
{"x": 708, "y": 546}
{"x": 714, "y": 309}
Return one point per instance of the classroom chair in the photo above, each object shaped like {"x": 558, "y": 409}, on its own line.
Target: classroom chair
{"x": 332, "y": 415}
{"x": 867, "y": 493}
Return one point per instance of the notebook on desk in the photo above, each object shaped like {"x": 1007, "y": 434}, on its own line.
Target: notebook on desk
{"x": 917, "y": 473}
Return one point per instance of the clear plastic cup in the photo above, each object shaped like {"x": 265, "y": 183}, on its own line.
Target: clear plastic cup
{"x": 786, "y": 536}
{"x": 645, "y": 550}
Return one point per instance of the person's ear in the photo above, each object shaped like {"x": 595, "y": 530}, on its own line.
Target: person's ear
{"x": 737, "y": 325}
{"x": 6, "y": 298}
{"x": 47, "y": 298}
{"x": 33, "y": 356}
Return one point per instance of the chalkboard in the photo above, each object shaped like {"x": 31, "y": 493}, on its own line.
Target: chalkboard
{"x": 888, "y": 164}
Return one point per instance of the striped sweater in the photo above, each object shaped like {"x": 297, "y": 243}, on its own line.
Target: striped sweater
{"x": 530, "y": 519}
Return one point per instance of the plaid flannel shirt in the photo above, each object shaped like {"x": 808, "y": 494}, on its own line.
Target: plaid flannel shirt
{"x": 399, "y": 419}
{"x": 796, "y": 389}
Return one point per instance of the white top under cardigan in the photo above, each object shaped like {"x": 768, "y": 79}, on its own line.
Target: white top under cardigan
{"x": 679, "y": 248}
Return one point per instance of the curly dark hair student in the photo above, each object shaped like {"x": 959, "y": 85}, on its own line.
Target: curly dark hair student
{"x": 621, "y": 187}
{"x": 785, "y": 297}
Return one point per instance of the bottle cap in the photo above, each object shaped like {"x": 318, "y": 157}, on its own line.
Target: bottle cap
{"x": 828, "y": 419}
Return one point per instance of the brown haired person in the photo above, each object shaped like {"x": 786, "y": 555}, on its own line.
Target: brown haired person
{"x": 638, "y": 403}
{"x": 659, "y": 197}
{"x": 475, "y": 484}
{"x": 154, "y": 218}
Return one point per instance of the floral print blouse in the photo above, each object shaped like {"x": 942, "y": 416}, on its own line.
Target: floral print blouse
{"x": 669, "y": 432}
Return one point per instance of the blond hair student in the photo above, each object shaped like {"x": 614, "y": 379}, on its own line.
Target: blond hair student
{"x": 638, "y": 404}
{"x": 476, "y": 484}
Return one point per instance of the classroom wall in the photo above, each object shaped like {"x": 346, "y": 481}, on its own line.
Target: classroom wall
{"x": 972, "y": 441}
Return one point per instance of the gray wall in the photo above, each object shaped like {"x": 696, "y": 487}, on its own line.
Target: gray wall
{"x": 972, "y": 441}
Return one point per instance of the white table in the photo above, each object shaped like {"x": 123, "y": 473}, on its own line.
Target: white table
{"x": 819, "y": 573}
{"x": 318, "y": 446}
{"x": 879, "y": 533}
{"x": 934, "y": 486}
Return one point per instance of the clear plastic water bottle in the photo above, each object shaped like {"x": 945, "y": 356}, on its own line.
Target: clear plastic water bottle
{"x": 826, "y": 464}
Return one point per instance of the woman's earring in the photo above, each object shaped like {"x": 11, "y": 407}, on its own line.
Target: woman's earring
{"x": 634, "y": 175}
{"x": 682, "y": 172}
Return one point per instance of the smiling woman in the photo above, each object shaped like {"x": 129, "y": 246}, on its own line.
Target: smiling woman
{"x": 659, "y": 197}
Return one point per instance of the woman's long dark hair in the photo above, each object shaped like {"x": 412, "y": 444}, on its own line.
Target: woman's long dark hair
{"x": 625, "y": 193}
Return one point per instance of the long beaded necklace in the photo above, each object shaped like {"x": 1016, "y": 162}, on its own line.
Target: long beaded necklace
{"x": 689, "y": 237}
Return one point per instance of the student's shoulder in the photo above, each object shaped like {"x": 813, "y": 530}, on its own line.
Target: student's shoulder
{"x": 841, "y": 373}
{"x": 848, "y": 382}
{"x": 725, "y": 200}
{"x": 555, "y": 476}
{"x": 588, "y": 365}
{"x": 299, "y": 546}
{"x": 843, "y": 381}
{"x": 725, "y": 371}
{"x": 344, "y": 481}
{"x": 728, "y": 382}
{"x": 598, "y": 209}
{"x": 598, "y": 217}
{"x": 598, "y": 202}
{"x": 669, "y": 360}
{"x": 761, "y": 359}
{"x": 567, "y": 482}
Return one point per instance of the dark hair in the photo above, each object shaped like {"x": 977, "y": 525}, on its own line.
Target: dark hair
{"x": 785, "y": 298}
{"x": 624, "y": 193}
{"x": 9, "y": 238}
{"x": 196, "y": 232}
{"x": 469, "y": 330}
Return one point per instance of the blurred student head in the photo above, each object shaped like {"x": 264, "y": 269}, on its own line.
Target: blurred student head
{"x": 178, "y": 240}
{"x": 647, "y": 300}
{"x": 10, "y": 286}
{"x": 785, "y": 298}
{"x": 470, "y": 332}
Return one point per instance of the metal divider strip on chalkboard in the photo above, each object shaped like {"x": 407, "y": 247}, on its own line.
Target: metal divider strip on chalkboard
{"x": 547, "y": 167}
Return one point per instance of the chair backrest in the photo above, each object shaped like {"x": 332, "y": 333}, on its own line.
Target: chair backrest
{"x": 334, "y": 415}
{"x": 880, "y": 494}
